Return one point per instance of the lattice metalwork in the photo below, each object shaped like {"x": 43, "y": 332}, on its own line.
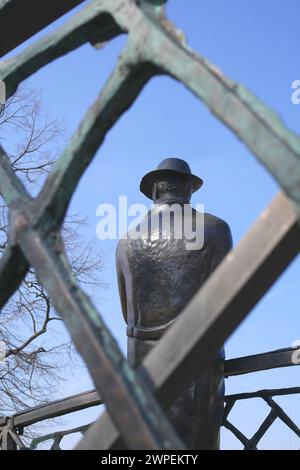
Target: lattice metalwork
{"x": 275, "y": 412}
{"x": 56, "y": 438}
{"x": 13, "y": 427}
{"x": 154, "y": 47}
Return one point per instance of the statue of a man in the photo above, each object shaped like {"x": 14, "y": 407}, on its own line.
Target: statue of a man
{"x": 159, "y": 271}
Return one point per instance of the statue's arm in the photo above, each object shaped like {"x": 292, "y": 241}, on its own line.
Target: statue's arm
{"x": 121, "y": 282}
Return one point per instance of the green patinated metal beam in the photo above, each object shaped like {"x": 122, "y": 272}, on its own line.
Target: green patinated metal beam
{"x": 11, "y": 187}
{"x": 13, "y": 264}
{"x": 13, "y": 269}
{"x": 277, "y": 148}
{"x": 117, "y": 96}
{"x": 21, "y": 19}
{"x": 92, "y": 24}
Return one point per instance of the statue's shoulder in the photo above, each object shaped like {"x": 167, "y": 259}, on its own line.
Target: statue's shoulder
{"x": 126, "y": 244}
{"x": 215, "y": 222}
{"x": 216, "y": 229}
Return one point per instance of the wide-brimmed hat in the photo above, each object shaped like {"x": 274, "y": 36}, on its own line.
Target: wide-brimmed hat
{"x": 169, "y": 167}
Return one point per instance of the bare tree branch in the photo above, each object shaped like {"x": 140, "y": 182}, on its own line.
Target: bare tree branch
{"x": 36, "y": 353}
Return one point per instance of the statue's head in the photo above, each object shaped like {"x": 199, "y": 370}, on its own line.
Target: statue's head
{"x": 172, "y": 180}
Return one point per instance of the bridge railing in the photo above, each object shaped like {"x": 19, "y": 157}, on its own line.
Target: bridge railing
{"x": 12, "y": 427}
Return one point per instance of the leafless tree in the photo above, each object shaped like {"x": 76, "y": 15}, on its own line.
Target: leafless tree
{"x": 34, "y": 346}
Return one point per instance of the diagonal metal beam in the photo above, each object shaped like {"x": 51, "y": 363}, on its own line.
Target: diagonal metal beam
{"x": 229, "y": 294}
{"x": 282, "y": 415}
{"x": 13, "y": 269}
{"x": 122, "y": 88}
{"x": 17, "y": 440}
{"x": 7, "y": 442}
{"x": 13, "y": 264}
{"x": 11, "y": 187}
{"x": 263, "y": 428}
{"x": 130, "y": 403}
{"x": 238, "y": 434}
{"x": 93, "y": 23}
{"x": 215, "y": 311}
{"x": 21, "y": 19}
{"x": 277, "y": 148}
{"x": 99, "y": 21}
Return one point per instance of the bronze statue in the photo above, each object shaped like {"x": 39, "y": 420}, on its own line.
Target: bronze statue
{"x": 158, "y": 275}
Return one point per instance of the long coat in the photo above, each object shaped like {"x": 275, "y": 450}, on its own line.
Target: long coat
{"x": 157, "y": 276}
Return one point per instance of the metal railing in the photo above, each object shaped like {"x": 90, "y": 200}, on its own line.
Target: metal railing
{"x": 12, "y": 427}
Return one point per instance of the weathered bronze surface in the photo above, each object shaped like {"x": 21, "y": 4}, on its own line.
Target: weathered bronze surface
{"x": 157, "y": 275}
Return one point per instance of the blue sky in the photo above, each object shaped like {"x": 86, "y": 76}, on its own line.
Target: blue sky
{"x": 256, "y": 43}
